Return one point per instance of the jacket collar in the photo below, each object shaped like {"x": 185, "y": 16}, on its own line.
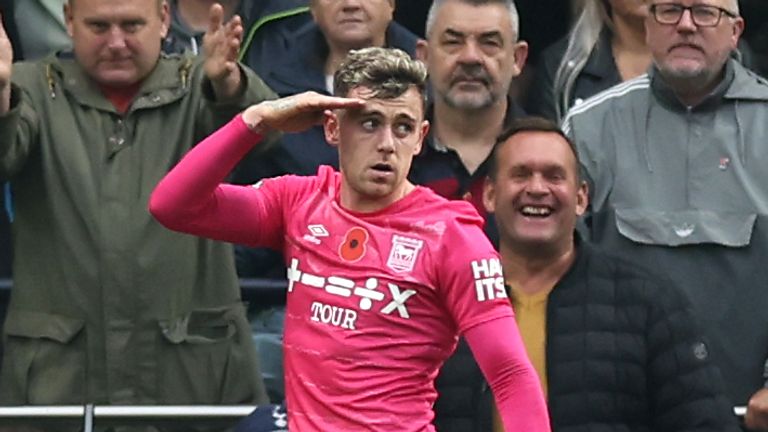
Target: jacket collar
{"x": 577, "y": 271}
{"x": 170, "y": 75}
{"x": 738, "y": 84}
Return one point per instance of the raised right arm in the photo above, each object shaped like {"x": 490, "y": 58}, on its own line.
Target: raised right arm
{"x": 192, "y": 197}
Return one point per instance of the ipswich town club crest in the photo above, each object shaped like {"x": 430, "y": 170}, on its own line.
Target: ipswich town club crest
{"x": 404, "y": 253}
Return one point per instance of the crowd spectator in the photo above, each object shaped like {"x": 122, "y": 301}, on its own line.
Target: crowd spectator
{"x": 605, "y": 46}
{"x": 615, "y": 346}
{"x": 108, "y": 307}
{"x": 675, "y": 161}
{"x": 542, "y": 22}
{"x": 378, "y": 267}
{"x": 472, "y": 53}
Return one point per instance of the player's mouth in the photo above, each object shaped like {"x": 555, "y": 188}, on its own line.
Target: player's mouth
{"x": 383, "y": 168}
{"x": 382, "y": 172}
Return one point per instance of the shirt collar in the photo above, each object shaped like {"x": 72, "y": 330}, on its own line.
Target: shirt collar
{"x": 514, "y": 111}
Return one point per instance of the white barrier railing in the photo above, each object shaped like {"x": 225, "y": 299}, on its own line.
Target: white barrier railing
{"x": 113, "y": 415}
{"x": 144, "y": 414}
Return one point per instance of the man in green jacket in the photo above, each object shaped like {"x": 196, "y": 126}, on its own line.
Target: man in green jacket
{"x": 108, "y": 307}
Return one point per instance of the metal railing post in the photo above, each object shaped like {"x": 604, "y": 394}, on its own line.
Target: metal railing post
{"x": 88, "y": 418}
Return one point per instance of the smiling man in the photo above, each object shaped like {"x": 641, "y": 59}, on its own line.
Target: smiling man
{"x": 616, "y": 347}
{"x": 383, "y": 275}
{"x": 676, "y": 163}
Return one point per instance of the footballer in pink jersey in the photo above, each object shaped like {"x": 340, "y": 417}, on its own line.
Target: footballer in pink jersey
{"x": 382, "y": 275}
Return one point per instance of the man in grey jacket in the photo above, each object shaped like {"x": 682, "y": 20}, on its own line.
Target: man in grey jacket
{"x": 689, "y": 142}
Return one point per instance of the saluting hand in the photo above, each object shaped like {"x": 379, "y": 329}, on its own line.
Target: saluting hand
{"x": 221, "y": 44}
{"x": 295, "y": 113}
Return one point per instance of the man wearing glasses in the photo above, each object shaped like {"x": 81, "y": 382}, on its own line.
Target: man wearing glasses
{"x": 676, "y": 160}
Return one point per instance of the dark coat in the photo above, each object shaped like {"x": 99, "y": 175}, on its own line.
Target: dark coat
{"x": 623, "y": 354}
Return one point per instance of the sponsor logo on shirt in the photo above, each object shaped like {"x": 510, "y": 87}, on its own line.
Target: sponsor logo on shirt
{"x": 316, "y": 232}
{"x": 435, "y": 228}
{"x": 369, "y": 294}
{"x": 333, "y": 315}
{"x": 489, "y": 282}
{"x": 404, "y": 253}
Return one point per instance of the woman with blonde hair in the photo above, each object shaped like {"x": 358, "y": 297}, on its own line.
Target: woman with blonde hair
{"x": 605, "y": 47}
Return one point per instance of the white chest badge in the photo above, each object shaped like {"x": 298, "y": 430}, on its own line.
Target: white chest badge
{"x": 404, "y": 253}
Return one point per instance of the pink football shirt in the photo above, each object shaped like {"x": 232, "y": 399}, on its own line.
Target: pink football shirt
{"x": 375, "y": 301}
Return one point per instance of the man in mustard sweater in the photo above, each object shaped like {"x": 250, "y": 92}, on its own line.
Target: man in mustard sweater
{"x": 615, "y": 346}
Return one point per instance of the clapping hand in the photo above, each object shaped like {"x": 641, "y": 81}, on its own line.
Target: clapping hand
{"x": 221, "y": 44}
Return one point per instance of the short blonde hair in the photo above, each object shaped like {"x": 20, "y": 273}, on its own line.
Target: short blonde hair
{"x": 387, "y": 72}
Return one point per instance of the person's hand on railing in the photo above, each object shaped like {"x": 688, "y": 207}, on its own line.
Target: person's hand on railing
{"x": 756, "y": 418}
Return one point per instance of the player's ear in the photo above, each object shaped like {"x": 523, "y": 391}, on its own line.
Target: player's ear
{"x": 331, "y": 127}
{"x": 423, "y": 135}
{"x": 489, "y": 195}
